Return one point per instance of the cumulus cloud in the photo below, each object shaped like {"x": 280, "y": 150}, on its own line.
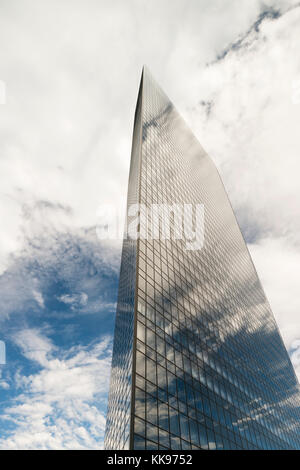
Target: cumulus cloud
{"x": 61, "y": 405}
{"x": 74, "y": 299}
{"x": 278, "y": 264}
{"x": 39, "y": 298}
{"x": 247, "y": 120}
{"x": 255, "y": 119}
{"x": 64, "y": 141}
{"x": 34, "y": 345}
{"x": 71, "y": 74}
{"x": 55, "y": 269}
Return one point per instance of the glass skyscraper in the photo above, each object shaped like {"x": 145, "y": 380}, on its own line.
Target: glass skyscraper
{"x": 198, "y": 360}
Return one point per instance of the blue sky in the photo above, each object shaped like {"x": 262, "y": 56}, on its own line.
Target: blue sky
{"x": 57, "y": 325}
{"x": 71, "y": 71}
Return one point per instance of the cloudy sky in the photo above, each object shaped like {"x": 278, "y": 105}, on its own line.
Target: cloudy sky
{"x": 69, "y": 74}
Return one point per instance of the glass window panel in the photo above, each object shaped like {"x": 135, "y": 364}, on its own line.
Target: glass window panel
{"x": 214, "y": 411}
{"x": 160, "y": 344}
{"x": 139, "y": 442}
{"x": 141, "y": 332}
{"x": 152, "y": 432}
{"x": 140, "y": 403}
{"x": 194, "y": 432}
{"x": 163, "y": 416}
{"x": 190, "y": 395}
{"x": 140, "y": 363}
{"x": 219, "y": 441}
{"x": 150, "y": 338}
{"x": 203, "y": 436}
{"x": 150, "y": 313}
{"x": 170, "y": 353}
{"x": 178, "y": 359}
{"x": 184, "y": 427}
{"x": 171, "y": 384}
{"x": 174, "y": 422}
{"x": 211, "y": 439}
{"x": 164, "y": 438}
{"x": 206, "y": 406}
{"x": 162, "y": 394}
{"x": 152, "y": 409}
{"x": 141, "y": 306}
{"x": 139, "y": 426}
{"x": 161, "y": 377}
{"x": 151, "y": 370}
{"x": 175, "y": 443}
{"x": 181, "y": 390}
{"x": 185, "y": 445}
{"x": 140, "y": 382}
{"x": 151, "y": 445}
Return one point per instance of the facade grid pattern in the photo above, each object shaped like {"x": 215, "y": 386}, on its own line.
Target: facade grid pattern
{"x": 209, "y": 367}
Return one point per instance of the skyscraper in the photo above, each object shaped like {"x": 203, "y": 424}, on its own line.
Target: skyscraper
{"x": 198, "y": 360}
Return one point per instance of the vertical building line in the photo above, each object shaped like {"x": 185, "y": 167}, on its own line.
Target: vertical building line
{"x": 134, "y": 343}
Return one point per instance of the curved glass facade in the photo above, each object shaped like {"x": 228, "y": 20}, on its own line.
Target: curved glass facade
{"x": 198, "y": 360}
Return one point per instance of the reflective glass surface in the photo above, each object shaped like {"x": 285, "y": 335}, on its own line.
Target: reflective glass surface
{"x": 118, "y": 421}
{"x": 209, "y": 367}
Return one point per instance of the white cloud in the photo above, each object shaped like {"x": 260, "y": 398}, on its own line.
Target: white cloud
{"x": 86, "y": 270}
{"x": 79, "y": 301}
{"x": 60, "y": 407}
{"x": 39, "y": 298}
{"x": 5, "y": 385}
{"x": 252, "y": 129}
{"x": 278, "y": 265}
{"x": 63, "y": 135}
{"x": 72, "y": 299}
{"x": 65, "y": 146}
{"x": 34, "y": 345}
{"x": 248, "y": 123}
{"x": 71, "y": 76}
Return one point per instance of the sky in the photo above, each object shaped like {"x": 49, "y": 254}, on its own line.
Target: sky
{"x": 69, "y": 75}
